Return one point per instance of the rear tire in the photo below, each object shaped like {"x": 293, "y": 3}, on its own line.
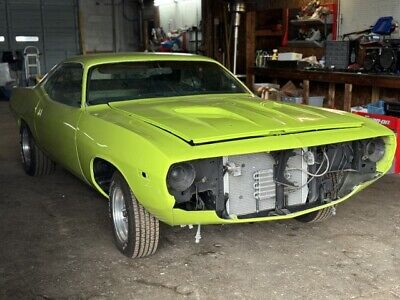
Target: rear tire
{"x": 318, "y": 216}
{"x": 35, "y": 162}
{"x": 136, "y": 231}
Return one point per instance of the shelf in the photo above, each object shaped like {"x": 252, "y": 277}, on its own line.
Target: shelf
{"x": 327, "y": 21}
{"x": 306, "y": 44}
{"x": 268, "y": 32}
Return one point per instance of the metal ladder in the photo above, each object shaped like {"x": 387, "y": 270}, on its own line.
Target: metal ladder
{"x": 32, "y": 64}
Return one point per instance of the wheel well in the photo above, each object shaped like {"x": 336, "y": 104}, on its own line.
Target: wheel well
{"x": 21, "y": 123}
{"x": 103, "y": 172}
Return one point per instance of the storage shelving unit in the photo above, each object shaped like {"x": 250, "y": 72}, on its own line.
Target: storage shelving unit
{"x": 275, "y": 28}
{"x": 326, "y": 25}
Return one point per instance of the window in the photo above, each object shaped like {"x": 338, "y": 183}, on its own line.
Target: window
{"x": 140, "y": 80}
{"x": 65, "y": 85}
{"x": 26, "y": 38}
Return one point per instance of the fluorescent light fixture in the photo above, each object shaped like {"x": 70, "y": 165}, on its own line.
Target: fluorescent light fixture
{"x": 162, "y": 2}
{"x": 26, "y": 38}
{"x": 2, "y": 39}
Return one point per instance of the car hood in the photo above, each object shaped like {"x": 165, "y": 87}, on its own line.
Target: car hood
{"x": 213, "y": 118}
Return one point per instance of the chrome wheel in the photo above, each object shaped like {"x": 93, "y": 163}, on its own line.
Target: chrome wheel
{"x": 26, "y": 149}
{"x": 119, "y": 213}
{"x": 136, "y": 232}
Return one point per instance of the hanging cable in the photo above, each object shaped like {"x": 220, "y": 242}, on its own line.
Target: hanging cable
{"x": 326, "y": 158}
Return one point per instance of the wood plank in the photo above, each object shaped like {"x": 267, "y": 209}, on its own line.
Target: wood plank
{"x": 268, "y": 32}
{"x": 375, "y": 94}
{"x": 207, "y": 27}
{"x": 146, "y": 35}
{"x": 250, "y": 46}
{"x": 386, "y": 81}
{"x": 306, "y": 91}
{"x": 348, "y": 93}
{"x": 285, "y": 29}
{"x": 331, "y": 95}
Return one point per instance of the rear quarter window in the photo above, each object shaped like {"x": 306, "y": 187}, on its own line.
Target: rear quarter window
{"x": 65, "y": 85}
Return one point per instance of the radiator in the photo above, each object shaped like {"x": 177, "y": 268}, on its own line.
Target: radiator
{"x": 249, "y": 182}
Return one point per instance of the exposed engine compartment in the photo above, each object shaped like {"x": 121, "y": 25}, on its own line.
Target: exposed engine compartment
{"x": 274, "y": 183}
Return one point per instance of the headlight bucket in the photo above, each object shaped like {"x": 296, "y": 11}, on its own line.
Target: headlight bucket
{"x": 181, "y": 176}
{"x": 374, "y": 150}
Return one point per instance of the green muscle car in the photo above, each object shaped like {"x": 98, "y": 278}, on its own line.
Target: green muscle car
{"x": 178, "y": 139}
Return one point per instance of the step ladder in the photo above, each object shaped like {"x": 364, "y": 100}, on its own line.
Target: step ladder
{"x": 32, "y": 64}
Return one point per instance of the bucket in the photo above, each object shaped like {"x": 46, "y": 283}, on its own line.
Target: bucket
{"x": 316, "y": 101}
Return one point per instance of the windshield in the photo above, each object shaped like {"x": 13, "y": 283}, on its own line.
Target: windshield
{"x": 138, "y": 80}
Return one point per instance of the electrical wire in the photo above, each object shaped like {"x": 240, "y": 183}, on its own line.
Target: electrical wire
{"x": 334, "y": 157}
{"x": 315, "y": 175}
{"x": 342, "y": 161}
{"x": 199, "y": 202}
{"x": 300, "y": 187}
{"x": 329, "y": 164}
{"x": 343, "y": 170}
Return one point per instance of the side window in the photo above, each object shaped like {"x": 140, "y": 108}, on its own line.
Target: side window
{"x": 65, "y": 85}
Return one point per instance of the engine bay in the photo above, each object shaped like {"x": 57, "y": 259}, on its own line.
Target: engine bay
{"x": 274, "y": 183}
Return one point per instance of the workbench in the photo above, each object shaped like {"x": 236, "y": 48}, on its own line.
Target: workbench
{"x": 374, "y": 81}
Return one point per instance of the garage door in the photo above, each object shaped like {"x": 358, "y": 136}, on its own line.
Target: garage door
{"x": 50, "y": 25}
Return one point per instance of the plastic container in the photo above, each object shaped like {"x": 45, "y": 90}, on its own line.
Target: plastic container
{"x": 376, "y": 107}
{"x": 383, "y": 26}
{"x": 316, "y": 101}
{"x": 297, "y": 100}
{"x": 290, "y": 56}
{"x": 4, "y": 74}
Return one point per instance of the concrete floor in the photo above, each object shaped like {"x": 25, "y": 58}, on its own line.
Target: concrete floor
{"x": 56, "y": 242}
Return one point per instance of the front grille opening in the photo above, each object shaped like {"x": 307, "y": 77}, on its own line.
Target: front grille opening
{"x": 279, "y": 182}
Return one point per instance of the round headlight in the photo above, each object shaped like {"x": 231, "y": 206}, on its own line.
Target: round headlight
{"x": 181, "y": 176}
{"x": 375, "y": 150}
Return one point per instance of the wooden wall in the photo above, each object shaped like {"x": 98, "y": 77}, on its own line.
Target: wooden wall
{"x": 214, "y": 44}
{"x": 215, "y": 17}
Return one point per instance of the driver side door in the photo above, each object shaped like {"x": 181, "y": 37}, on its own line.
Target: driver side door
{"x": 58, "y": 113}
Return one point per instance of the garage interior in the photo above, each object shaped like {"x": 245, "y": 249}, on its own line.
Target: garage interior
{"x": 337, "y": 54}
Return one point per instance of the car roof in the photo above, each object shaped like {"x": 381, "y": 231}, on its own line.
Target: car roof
{"x": 100, "y": 58}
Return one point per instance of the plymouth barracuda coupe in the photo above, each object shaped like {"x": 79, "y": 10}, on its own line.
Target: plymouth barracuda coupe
{"x": 178, "y": 139}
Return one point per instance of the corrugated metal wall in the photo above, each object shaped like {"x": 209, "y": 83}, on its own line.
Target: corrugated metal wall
{"x": 98, "y": 28}
{"x": 53, "y": 21}
{"x": 3, "y": 26}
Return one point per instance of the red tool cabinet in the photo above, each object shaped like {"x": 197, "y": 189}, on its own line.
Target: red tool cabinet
{"x": 394, "y": 124}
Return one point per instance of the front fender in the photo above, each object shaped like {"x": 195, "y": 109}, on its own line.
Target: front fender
{"x": 132, "y": 155}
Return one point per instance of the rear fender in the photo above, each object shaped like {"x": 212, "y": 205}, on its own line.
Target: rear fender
{"x": 23, "y": 104}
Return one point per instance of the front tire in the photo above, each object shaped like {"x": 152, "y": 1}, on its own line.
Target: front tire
{"x": 35, "y": 162}
{"x": 318, "y": 216}
{"x": 136, "y": 231}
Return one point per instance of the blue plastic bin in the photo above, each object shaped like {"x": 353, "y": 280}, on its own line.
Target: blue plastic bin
{"x": 383, "y": 25}
{"x": 376, "y": 107}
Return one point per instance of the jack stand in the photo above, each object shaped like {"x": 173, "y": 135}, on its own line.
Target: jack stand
{"x": 198, "y": 234}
